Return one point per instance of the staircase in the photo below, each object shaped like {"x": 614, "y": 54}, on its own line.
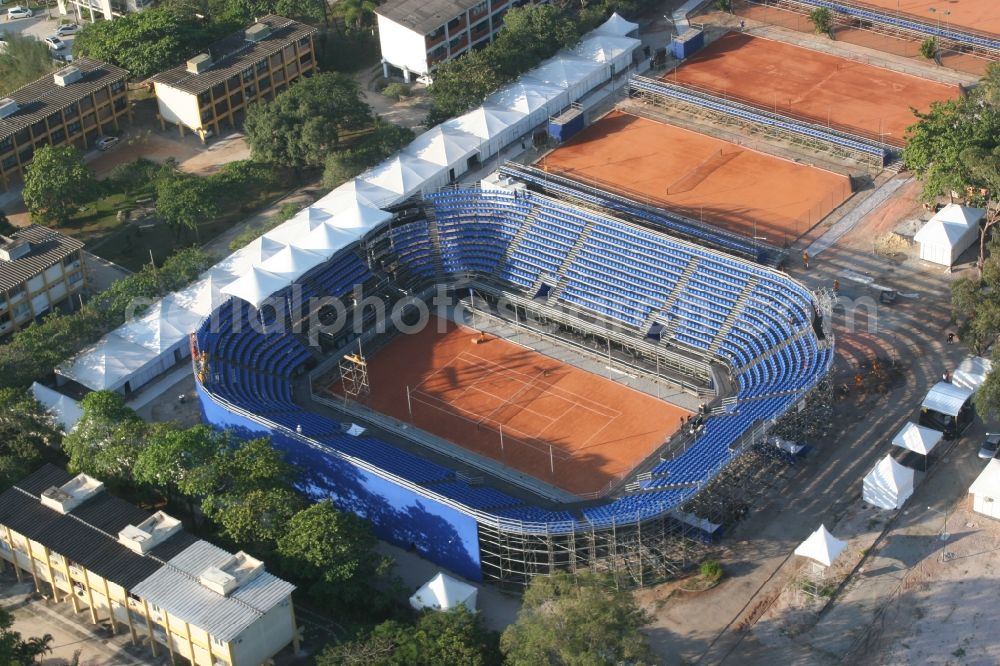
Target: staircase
{"x": 570, "y": 258}
{"x": 734, "y": 314}
{"x": 435, "y": 238}
{"x": 514, "y": 243}
{"x": 674, "y": 322}
{"x": 774, "y": 350}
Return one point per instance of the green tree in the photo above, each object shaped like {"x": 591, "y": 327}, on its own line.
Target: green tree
{"x": 56, "y": 182}
{"x": 583, "y": 620}
{"x": 333, "y": 554}
{"x": 18, "y": 651}
{"x": 437, "y": 639}
{"x": 184, "y": 201}
{"x": 462, "y": 84}
{"x": 928, "y": 48}
{"x": 149, "y": 41}
{"x": 107, "y": 438}
{"x": 822, "y": 20}
{"x": 302, "y": 125}
{"x": 24, "y": 59}
{"x": 26, "y": 432}
{"x": 356, "y": 13}
{"x": 384, "y": 140}
{"x": 257, "y": 517}
{"x": 176, "y": 461}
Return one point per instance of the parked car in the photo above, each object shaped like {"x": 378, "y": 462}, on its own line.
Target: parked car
{"x": 106, "y": 142}
{"x": 62, "y": 57}
{"x": 67, "y": 29}
{"x": 990, "y": 445}
{"x": 54, "y": 42}
{"x": 19, "y": 12}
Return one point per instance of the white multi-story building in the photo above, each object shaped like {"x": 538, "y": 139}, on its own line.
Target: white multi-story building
{"x": 94, "y": 10}
{"x": 415, "y": 35}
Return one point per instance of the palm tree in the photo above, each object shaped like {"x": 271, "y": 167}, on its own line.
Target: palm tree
{"x": 356, "y": 13}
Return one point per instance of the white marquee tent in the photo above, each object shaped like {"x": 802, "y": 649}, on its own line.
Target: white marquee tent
{"x": 946, "y": 235}
{"x": 971, "y": 372}
{"x": 257, "y": 286}
{"x": 65, "y": 411}
{"x": 530, "y": 97}
{"x": 358, "y": 219}
{"x": 617, "y": 27}
{"x": 888, "y": 485}
{"x": 444, "y": 593}
{"x": 985, "y": 490}
{"x": 608, "y": 49}
{"x": 326, "y": 239}
{"x": 446, "y": 146}
{"x": 821, "y": 546}
{"x": 494, "y": 127}
{"x": 293, "y": 262}
{"x": 163, "y": 329}
{"x": 917, "y": 438}
{"x": 575, "y": 75}
{"x": 202, "y": 297}
{"x": 405, "y": 175}
{"x": 358, "y": 191}
{"x": 946, "y": 398}
{"x": 115, "y": 364}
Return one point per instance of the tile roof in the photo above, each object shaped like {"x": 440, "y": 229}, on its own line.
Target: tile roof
{"x": 232, "y": 55}
{"x": 424, "y": 16}
{"x": 40, "y": 99}
{"x": 48, "y": 247}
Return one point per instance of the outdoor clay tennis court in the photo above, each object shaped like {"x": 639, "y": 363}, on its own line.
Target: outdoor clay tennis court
{"x": 466, "y": 393}
{"x": 975, "y": 15}
{"x": 821, "y": 88}
{"x": 706, "y": 178}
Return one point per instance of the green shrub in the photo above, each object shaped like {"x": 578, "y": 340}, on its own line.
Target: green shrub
{"x": 822, "y": 19}
{"x": 396, "y": 91}
{"x": 928, "y": 48}
{"x": 711, "y": 570}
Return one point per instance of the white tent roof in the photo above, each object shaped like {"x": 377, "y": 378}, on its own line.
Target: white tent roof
{"x": 163, "y": 326}
{"x": 525, "y": 96}
{"x": 402, "y": 174}
{"x": 359, "y": 218}
{"x": 949, "y": 225}
{"x": 356, "y": 190}
{"x": 257, "y": 286}
{"x": 917, "y": 438}
{"x": 327, "y": 239}
{"x": 445, "y": 146}
{"x": 261, "y": 249}
{"x": 971, "y": 372}
{"x": 617, "y": 26}
{"x": 444, "y": 593}
{"x": 108, "y": 364}
{"x": 564, "y": 70}
{"x": 946, "y": 398}
{"x": 888, "y": 485}
{"x": 293, "y": 262}
{"x": 486, "y": 123}
{"x": 64, "y": 410}
{"x": 988, "y": 481}
{"x": 605, "y": 48}
{"x": 202, "y": 297}
{"x": 821, "y": 546}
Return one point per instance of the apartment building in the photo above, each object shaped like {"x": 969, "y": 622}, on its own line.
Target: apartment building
{"x": 142, "y": 573}
{"x": 213, "y": 89}
{"x": 97, "y": 10}
{"x": 415, "y": 35}
{"x": 40, "y": 270}
{"x": 75, "y": 105}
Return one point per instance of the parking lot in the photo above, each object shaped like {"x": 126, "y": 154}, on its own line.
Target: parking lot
{"x": 38, "y": 26}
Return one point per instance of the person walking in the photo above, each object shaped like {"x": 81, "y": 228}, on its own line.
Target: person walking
{"x": 805, "y": 258}
{"x": 951, "y": 338}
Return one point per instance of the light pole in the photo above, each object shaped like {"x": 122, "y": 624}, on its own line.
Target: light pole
{"x": 944, "y": 535}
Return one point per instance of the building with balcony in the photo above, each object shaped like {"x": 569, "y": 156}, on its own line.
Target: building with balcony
{"x": 143, "y": 574}
{"x": 415, "y": 35}
{"x": 97, "y": 10}
{"x": 214, "y": 89}
{"x": 74, "y": 105}
{"x": 40, "y": 270}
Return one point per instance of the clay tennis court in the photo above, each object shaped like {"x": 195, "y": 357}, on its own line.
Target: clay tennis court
{"x": 706, "y": 178}
{"x": 982, "y": 16}
{"x": 467, "y": 393}
{"x": 814, "y": 86}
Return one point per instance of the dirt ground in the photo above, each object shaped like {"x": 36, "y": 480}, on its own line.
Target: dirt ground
{"x": 470, "y": 393}
{"x": 802, "y": 83}
{"x": 707, "y": 178}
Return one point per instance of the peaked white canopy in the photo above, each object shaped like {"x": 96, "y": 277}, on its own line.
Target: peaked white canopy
{"x": 917, "y": 438}
{"x": 257, "y": 286}
{"x": 327, "y": 239}
{"x": 360, "y": 218}
{"x": 446, "y": 146}
{"x": 444, "y": 593}
{"x": 888, "y": 485}
{"x": 494, "y": 127}
{"x": 946, "y": 398}
{"x": 971, "y": 372}
{"x": 565, "y": 71}
{"x": 359, "y": 191}
{"x": 608, "y": 49}
{"x": 202, "y": 297}
{"x": 525, "y": 96}
{"x": 164, "y": 327}
{"x": 988, "y": 481}
{"x": 109, "y": 364}
{"x": 261, "y": 249}
{"x": 64, "y": 410}
{"x": 293, "y": 262}
{"x": 821, "y": 546}
{"x": 617, "y": 26}
{"x": 402, "y": 174}
{"x": 946, "y": 235}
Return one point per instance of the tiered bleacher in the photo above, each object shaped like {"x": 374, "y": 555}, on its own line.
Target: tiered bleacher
{"x": 754, "y": 318}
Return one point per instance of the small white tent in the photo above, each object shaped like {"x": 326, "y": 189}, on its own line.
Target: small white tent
{"x": 115, "y": 364}
{"x": 917, "y": 438}
{"x": 257, "y": 286}
{"x": 609, "y": 50}
{"x": 946, "y": 398}
{"x": 946, "y": 235}
{"x": 448, "y": 147}
{"x": 444, "y": 593}
{"x": 888, "y": 485}
{"x": 821, "y": 546}
{"x": 65, "y": 411}
{"x": 985, "y": 490}
{"x": 617, "y": 26}
{"x": 971, "y": 372}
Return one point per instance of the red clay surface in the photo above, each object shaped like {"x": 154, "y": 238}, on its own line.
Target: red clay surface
{"x": 706, "y": 178}
{"x": 467, "y": 393}
{"x": 976, "y": 15}
{"x": 824, "y": 89}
